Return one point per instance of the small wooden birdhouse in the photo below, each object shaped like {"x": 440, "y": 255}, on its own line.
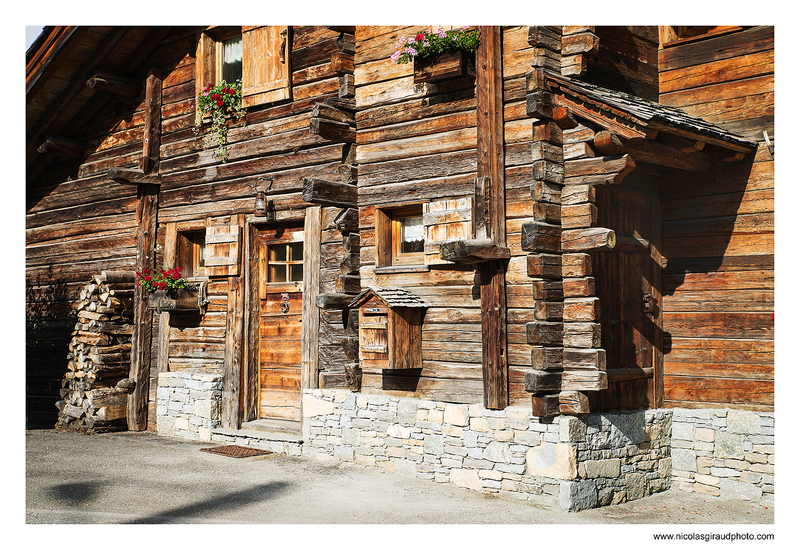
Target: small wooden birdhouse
{"x": 389, "y": 328}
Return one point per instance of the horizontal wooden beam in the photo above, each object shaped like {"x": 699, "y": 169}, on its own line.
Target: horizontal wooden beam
{"x": 617, "y": 166}
{"x": 622, "y": 375}
{"x": 544, "y": 266}
{"x": 115, "y": 84}
{"x": 573, "y": 402}
{"x": 626, "y": 243}
{"x": 330, "y": 193}
{"x": 333, "y": 130}
{"x": 61, "y": 147}
{"x": 541, "y": 237}
{"x": 545, "y": 405}
{"x": 539, "y": 381}
{"x": 473, "y": 251}
{"x": 334, "y": 300}
{"x": 544, "y": 333}
{"x": 584, "y": 380}
{"x": 582, "y": 240}
{"x": 329, "y": 112}
{"x": 133, "y": 177}
{"x": 660, "y": 154}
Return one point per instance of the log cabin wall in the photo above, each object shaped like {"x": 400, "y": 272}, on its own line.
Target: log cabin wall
{"x": 275, "y": 151}
{"x": 78, "y": 222}
{"x": 416, "y": 144}
{"x": 718, "y": 235}
{"x": 626, "y": 58}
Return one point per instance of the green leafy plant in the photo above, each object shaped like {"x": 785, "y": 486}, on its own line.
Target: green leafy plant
{"x": 169, "y": 280}
{"x": 217, "y": 101}
{"x": 427, "y": 44}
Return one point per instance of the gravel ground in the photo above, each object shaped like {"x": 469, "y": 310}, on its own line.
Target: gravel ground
{"x": 141, "y": 478}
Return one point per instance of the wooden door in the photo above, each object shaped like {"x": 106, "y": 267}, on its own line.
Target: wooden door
{"x": 625, "y": 276}
{"x": 280, "y": 255}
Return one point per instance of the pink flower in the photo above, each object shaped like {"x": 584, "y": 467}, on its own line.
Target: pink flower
{"x": 411, "y": 51}
{"x": 396, "y": 55}
{"x": 442, "y": 34}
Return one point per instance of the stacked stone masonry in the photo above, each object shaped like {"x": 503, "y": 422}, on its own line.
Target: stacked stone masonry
{"x": 575, "y": 462}
{"x": 726, "y": 453}
{"x": 188, "y": 404}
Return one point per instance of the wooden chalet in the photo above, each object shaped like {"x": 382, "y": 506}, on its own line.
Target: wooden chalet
{"x": 581, "y": 221}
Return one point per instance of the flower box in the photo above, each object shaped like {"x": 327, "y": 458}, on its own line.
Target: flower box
{"x": 444, "y": 66}
{"x": 190, "y": 299}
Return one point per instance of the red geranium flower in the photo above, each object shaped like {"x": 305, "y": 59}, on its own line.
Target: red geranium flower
{"x": 419, "y": 37}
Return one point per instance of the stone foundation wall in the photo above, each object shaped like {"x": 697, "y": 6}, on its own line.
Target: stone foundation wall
{"x": 579, "y": 463}
{"x": 188, "y": 404}
{"x": 724, "y": 452}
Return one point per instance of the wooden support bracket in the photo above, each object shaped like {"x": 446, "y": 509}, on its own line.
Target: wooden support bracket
{"x": 133, "y": 177}
{"x": 473, "y": 251}
{"x": 330, "y": 193}
{"x": 334, "y": 300}
{"x": 115, "y": 84}
{"x": 61, "y": 147}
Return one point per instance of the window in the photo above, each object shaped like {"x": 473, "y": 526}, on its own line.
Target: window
{"x": 672, "y": 35}
{"x": 400, "y": 236}
{"x": 230, "y": 58}
{"x": 191, "y": 253}
{"x": 259, "y": 56}
{"x": 285, "y": 262}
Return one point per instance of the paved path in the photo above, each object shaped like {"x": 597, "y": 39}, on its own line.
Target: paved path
{"x": 144, "y": 478}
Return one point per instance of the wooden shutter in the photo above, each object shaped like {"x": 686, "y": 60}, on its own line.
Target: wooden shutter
{"x": 266, "y": 60}
{"x": 445, "y": 220}
{"x": 223, "y": 243}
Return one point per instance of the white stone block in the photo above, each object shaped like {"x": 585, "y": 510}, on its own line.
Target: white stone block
{"x": 457, "y": 415}
{"x": 468, "y": 479}
{"x": 558, "y": 461}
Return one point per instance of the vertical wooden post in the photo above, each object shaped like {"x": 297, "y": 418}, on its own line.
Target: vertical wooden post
{"x": 312, "y": 229}
{"x": 491, "y": 164}
{"x": 152, "y": 123}
{"x": 251, "y": 322}
{"x": 232, "y": 371}
{"x": 147, "y": 217}
{"x": 142, "y": 317}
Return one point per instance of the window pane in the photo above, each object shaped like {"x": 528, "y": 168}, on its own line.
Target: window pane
{"x": 200, "y": 248}
{"x": 296, "y": 272}
{"x": 232, "y": 59}
{"x": 413, "y": 237}
{"x": 296, "y": 252}
{"x": 277, "y": 273}
{"x": 277, "y": 253}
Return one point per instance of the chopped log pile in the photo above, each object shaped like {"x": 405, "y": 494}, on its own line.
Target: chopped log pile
{"x": 94, "y": 391}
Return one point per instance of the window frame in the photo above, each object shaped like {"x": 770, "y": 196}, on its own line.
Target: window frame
{"x": 671, "y": 35}
{"x": 209, "y": 54}
{"x": 190, "y": 252}
{"x": 287, "y": 263}
{"x": 389, "y": 237}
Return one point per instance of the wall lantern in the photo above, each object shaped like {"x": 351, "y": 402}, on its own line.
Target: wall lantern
{"x": 261, "y": 204}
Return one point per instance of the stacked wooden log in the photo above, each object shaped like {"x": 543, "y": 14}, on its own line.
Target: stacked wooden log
{"x": 94, "y": 391}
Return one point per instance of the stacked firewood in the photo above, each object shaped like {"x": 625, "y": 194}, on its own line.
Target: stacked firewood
{"x": 94, "y": 391}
